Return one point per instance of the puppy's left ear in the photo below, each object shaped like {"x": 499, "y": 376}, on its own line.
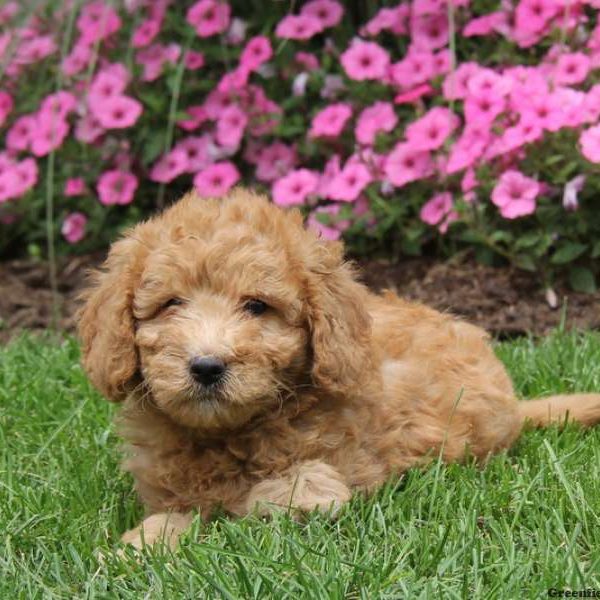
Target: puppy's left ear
{"x": 339, "y": 322}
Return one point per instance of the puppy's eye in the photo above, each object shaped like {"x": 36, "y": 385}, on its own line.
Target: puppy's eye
{"x": 255, "y": 307}
{"x": 172, "y": 302}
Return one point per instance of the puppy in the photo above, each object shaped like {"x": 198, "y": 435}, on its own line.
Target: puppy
{"x": 257, "y": 374}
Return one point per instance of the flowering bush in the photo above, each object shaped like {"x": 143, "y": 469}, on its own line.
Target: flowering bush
{"x": 447, "y": 124}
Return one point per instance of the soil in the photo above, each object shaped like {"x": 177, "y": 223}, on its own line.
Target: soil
{"x": 505, "y": 301}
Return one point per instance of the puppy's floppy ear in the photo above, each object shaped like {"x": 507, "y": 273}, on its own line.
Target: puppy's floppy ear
{"x": 106, "y": 326}
{"x": 339, "y": 322}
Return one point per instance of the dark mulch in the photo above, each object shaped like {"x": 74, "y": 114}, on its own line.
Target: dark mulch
{"x": 505, "y": 301}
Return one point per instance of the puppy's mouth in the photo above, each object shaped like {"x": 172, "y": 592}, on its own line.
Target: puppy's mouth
{"x": 212, "y": 394}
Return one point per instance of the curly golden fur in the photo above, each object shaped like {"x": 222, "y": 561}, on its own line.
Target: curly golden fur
{"x": 329, "y": 391}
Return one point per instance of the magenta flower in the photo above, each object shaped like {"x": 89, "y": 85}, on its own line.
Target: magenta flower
{"x": 209, "y": 17}
{"x": 350, "y": 182}
{"x": 328, "y": 12}
{"x": 373, "y": 119}
{"x": 216, "y": 180}
{"x": 256, "y": 52}
{"x": 330, "y": 121}
{"x": 75, "y": 186}
{"x": 515, "y": 194}
{"x": 405, "y": 164}
{"x": 589, "y": 141}
{"x": 117, "y": 112}
{"x": 73, "y": 227}
{"x": 231, "y": 126}
{"x": 298, "y": 27}
{"x": 193, "y": 60}
{"x": 295, "y": 187}
{"x": 6, "y": 106}
{"x": 365, "y": 60}
{"x": 432, "y": 130}
{"x": 116, "y": 187}
{"x": 170, "y": 166}
{"x": 145, "y": 33}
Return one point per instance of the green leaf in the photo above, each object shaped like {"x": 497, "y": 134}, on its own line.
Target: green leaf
{"x": 525, "y": 262}
{"x": 567, "y": 253}
{"x": 596, "y": 250}
{"x": 582, "y": 280}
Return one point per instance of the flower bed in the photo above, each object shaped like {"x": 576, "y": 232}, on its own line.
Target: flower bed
{"x": 424, "y": 125}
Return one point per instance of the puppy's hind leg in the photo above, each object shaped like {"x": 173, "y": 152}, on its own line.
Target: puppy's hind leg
{"x": 304, "y": 487}
{"x": 162, "y": 528}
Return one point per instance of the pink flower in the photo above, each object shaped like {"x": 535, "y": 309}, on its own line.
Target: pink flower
{"x": 571, "y": 191}
{"x": 486, "y": 24}
{"x": 209, "y": 17}
{"x": 298, "y": 27}
{"x": 430, "y": 32}
{"x": 88, "y": 129}
{"x": 572, "y": 67}
{"x": 97, "y": 21}
{"x": 257, "y": 51}
{"x": 77, "y": 60}
{"x": 236, "y": 33}
{"x": 455, "y": 86}
{"x": 350, "y": 182}
{"x": 145, "y": 33}
{"x": 197, "y": 151}
{"x": 589, "y": 141}
{"x": 104, "y": 86}
{"x": 197, "y": 115}
{"x": 365, "y": 60}
{"x": 116, "y": 187}
{"x": 33, "y": 50}
{"x": 405, "y": 164}
{"x": 432, "y": 130}
{"x": 328, "y": 12}
{"x": 307, "y": 61}
{"x": 330, "y": 121}
{"x": 483, "y": 108}
{"x": 6, "y": 105}
{"x": 193, "y": 60}
{"x": 48, "y": 135}
{"x": 469, "y": 147}
{"x": 59, "y": 105}
{"x": 75, "y": 186}
{"x": 154, "y": 57}
{"x": 73, "y": 227}
{"x": 275, "y": 161}
{"x": 117, "y": 112}
{"x": 327, "y": 232}
{"x": 169, "y": 166}
{"x": 515, "y": 194}
{"x": 234, "y": 81}
{"x": 231, "y": 126}
{"x": 294, "y": 187}
{"x": 393, "y": 19}
{"x": 330, "y": 172}
{"x": 417, "y": 67}
{"x": 437, "y": 208}
{"x": 216, "y": 180}
{"x": 378, "y": 117}
{"x": 413, "y": 95}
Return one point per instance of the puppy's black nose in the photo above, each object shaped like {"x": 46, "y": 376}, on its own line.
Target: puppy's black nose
{"x": 207, "y": 369}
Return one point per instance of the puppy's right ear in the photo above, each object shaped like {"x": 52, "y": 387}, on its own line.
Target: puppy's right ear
{"x": 106, "y": 326}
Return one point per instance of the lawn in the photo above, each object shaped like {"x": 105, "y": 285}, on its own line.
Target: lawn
{"x": 526, "y": 522}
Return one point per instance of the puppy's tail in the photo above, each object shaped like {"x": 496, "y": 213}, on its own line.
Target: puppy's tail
{"x": 579, "y": 408}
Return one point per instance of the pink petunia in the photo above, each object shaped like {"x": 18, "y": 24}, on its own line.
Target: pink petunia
{"x": 394, "y": 19}
{"x": 455, "y": 86}
{"x": 116, "y": 187}
{"x": 469, "y": 147}
{"x": 328, "y": 12}
{"x": 437, "y": 208}
{"x": 571, "y": 67}
{"x": 275, "y": 161}
{"x": 197, "y": 116}
{"x": 483, "y": 109}
{"x": 6, "y": 106}
{"x": 257, "y": 51}
{"x": 349, "y": 182}
{"x": 21, "y": 133}
{"x": 77, "y": 60}
{"x": 330, "y": 121}
{"x": 432, "y": 130}
{"x": 414, "y": 94}
{"x": 145, "y": 33}
{"x": 169, "y": 166}
{"x": 154, "y": 57}
{"x": 73, "y": 227}
{"x": 295, "y": 187}
{"x": 118, "y": 112}
{"x": 515, "y": 194}
{"x": 74, "y": 186}
{"x": 327, "y": 232}
{"x": 209, "y": 17}
{"x": 365, "y": 61}
{"x": 298, "y": 27}
{"x": 430, "y": 32}
{"x": 97, "y": 21}
{"x": 48, "y": 135}
{"x": 373, "y": 119}
{"x": 571, "y": 191}
{"x": 405, "y": 164}
{"x": 88, "y": 129}
{"x": 60, "y": 104}
{"x": 216, "y": 180}
{"x": 197, "y": 150}
{"x": 589, "y": 141}
{"x": 307, "y": 61}
{"x": 230, "y": 126}
{"x": 486, "y": 24}
{"x": 193, "y": 60}
{"x": 415, "y": 69}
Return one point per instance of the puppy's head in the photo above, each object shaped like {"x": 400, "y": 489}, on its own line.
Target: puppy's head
{"x": 217, "y": 311}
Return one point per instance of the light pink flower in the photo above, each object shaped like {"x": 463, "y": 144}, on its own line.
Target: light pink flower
{"x": 436, "y": 208}
{"x": 48, "y": 135}
{"x": 88, "y": 129}
{"x": 515, "y": 194}
{"x": 414, "y": 94}
{"x": 378, "y": 117}
{"x": 97, "y": 21}
{"x": 197, "y": 150}
{"x": 298, "y": 27}
{"x": 197, "y": 116}
{"x": 332, "y": 169}
{"x": 169, "y": 166}
{"x": 145, "y": 33}
{"x": 365, "y": 60}
{"x": 330, "y": 121}
{"x": 307, "y": 60}
{"x": 236, "y": 33}
{"x": 231, "y": 126}
{"x": 256, "y": 52}
{"x": 455, "y": 86}
{"x": 405, "y": 164}
{"x": 417, "y": 67}
{"x": 432, "y": 130}
{"x": 193, "y": 60}
{"x": 295, "y": 187}
{"x": 59, "y": 105}
{"x": 328, "y": 12}
{"x": 350, "y": 182}
{"x": 73, "y": 227}
{"x": 328, "y": 232}
{"x": 394, "y": 19}
{"x": 117, "y": 112}
{"x": 483, "y": 108}
{"x": 77, "y": 60}
{"x": 486, "y": 24}
{"x": 154, "y": 57}
{"x": 209, "y": 17}
{"x": 116, "y": 187}
{"x": 6, "y": 106}
{"x": 430, "y": 32}
{"x": 216, "y": 180}
{"x": 469, "y": 147}
{"x": 571, "y": 67}
{"x": 104, "y": 86}
{"x": 232, "y": 82}
{"x": 275, "y": 161}
{"x": 75, "y": 186}
{"x": 571, "y": 191}
{"x": 589, "y": 141}
{"x": 34, "y": 49}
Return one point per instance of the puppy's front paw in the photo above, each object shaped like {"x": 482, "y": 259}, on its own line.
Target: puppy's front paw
{"x": 308, "y": 486}
{"x": 163, "y": 528}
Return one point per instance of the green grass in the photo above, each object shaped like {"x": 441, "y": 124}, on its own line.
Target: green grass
{"x": 525, "y": 522}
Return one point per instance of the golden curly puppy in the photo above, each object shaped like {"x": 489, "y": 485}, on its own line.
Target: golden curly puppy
{"x": 256, "y": 372}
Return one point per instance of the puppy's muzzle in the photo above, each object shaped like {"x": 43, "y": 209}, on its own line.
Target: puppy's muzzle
{"x": 207, "y": 370}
